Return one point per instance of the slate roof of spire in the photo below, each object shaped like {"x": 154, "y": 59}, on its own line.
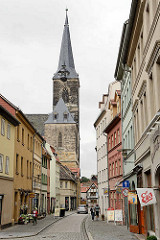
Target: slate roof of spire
{"x": 66, "y": 55}
{"x": 59, "y": 114}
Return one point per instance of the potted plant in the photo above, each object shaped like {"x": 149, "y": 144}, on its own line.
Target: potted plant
{"x": 151, "y": 238}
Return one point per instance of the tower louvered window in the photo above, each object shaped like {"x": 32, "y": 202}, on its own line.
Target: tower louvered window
{"x": 65, "y": 95}
{"x": 60, "y": 140}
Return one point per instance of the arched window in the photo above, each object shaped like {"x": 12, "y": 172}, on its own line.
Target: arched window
{"x": 65, "y": 95}
{"x": 60, "y": 140}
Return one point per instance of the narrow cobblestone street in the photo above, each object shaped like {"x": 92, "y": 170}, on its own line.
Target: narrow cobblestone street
{"x": 68, "y": 228}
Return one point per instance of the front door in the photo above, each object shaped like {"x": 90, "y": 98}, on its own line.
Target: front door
{"x": 133, "y": 218}
{"x": 67, "y": 203}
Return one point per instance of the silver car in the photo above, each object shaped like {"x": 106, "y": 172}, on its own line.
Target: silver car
{"x": 82, "y": 209}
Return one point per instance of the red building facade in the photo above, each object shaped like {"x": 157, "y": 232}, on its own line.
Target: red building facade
{"x": 115, "y": 165}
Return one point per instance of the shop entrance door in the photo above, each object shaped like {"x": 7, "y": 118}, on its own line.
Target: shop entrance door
{"x": 133, "y": 218}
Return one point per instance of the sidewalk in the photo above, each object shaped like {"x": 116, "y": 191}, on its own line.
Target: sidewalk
{"x": 29, "y": 230}
{"x": 101, "y": 230}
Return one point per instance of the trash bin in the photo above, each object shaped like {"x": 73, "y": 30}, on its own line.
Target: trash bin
{"x": 62, "y": 212}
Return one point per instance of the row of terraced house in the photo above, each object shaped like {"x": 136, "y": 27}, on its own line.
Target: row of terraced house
{"x": 31, "y": 176}
{"x": 127, "y": 128}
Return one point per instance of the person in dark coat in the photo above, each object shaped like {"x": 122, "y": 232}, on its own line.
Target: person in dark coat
{"x": 92, "y": 212}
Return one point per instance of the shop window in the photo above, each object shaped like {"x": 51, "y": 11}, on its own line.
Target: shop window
{"x": 149, "y": 209}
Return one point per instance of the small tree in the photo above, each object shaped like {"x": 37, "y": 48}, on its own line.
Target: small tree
{"x": 84, "y": 179}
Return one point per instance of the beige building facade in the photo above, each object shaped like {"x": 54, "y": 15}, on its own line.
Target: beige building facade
{"x": 8, "y": 125}
{"x": 144, "y": 60}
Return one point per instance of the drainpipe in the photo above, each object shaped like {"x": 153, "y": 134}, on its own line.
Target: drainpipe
{"x": 33, "y": 166}
{"x": 107, "y": 168}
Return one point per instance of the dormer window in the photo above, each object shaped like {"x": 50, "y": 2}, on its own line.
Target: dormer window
{"x": 65, "y": 116}
{"x": 55, "y": 116}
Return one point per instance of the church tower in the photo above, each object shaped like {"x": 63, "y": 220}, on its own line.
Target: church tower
{"x": 62, "y": 126}
{"x": 66, "y": 79}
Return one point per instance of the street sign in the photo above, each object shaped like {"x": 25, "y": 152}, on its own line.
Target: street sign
{"x": 125, "y": 184}
{"x": 105, "y": 191}
{"x": 119, "y": 190}
{"x": 31, "y": 195}
{"x": 132, "y": 198}
{"x": 146, "y": 196}
{"x": 118, "y": 215}
{"x": 125, "y": 192}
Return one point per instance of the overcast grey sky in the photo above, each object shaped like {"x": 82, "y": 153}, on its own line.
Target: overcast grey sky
{"x": 30, "y": 39}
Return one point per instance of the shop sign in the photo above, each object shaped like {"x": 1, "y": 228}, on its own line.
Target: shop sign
{"x": 57, "y": 212}
{"x": 105, "y": 191}
{"x": 146, "y": 196}
{"x": 31, "y": 195}
{"x": 125, "y": 192}
{"x": 119, "y": 190}
{"x": 110, "y": 215}
{"x": 125, "y": 184}
{"x": 132, "y": 198}
{"x": 118, "y": 215}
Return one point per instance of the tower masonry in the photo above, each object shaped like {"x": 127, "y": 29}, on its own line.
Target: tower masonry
{"x": 62, "y": 125}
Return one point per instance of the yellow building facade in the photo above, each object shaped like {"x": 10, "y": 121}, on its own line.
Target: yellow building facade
{"x": 23, "y": 166}
{"x": 7, "y": 151}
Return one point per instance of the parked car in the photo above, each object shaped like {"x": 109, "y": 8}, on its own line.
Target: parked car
{"x": 82, "y": 209}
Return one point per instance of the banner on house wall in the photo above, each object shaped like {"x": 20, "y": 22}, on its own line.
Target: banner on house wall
{"x": 110, "y": 215}
{"x": 105, "y": 191}
{"x": 146, "y": 196}
{"x": 118, "y": 215}
{"x": 132, "y": 198}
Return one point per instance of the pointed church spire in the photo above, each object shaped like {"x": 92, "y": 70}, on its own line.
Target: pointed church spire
{"x": 66, "y": 22}
{"x": 66, "y": 56}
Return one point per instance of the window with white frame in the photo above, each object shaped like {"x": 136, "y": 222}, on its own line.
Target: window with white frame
{"x": 8, "y": 131}
{"x": 1, "y": 163}
{"x": 7, "y": 165}
{"x": 65, "y": 184}
{"x": 2, "y": 126}
{"x": 115, "y": 139}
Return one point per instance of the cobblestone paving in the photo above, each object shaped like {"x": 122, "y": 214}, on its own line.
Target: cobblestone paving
{"x": 66, "y": 229}
{"x": 101, "y": 230}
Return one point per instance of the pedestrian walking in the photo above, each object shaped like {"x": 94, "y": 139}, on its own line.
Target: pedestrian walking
{"x": 35, "y": 214}
{"x": 97, "y": 210}
{"x": 92, "y": 212}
